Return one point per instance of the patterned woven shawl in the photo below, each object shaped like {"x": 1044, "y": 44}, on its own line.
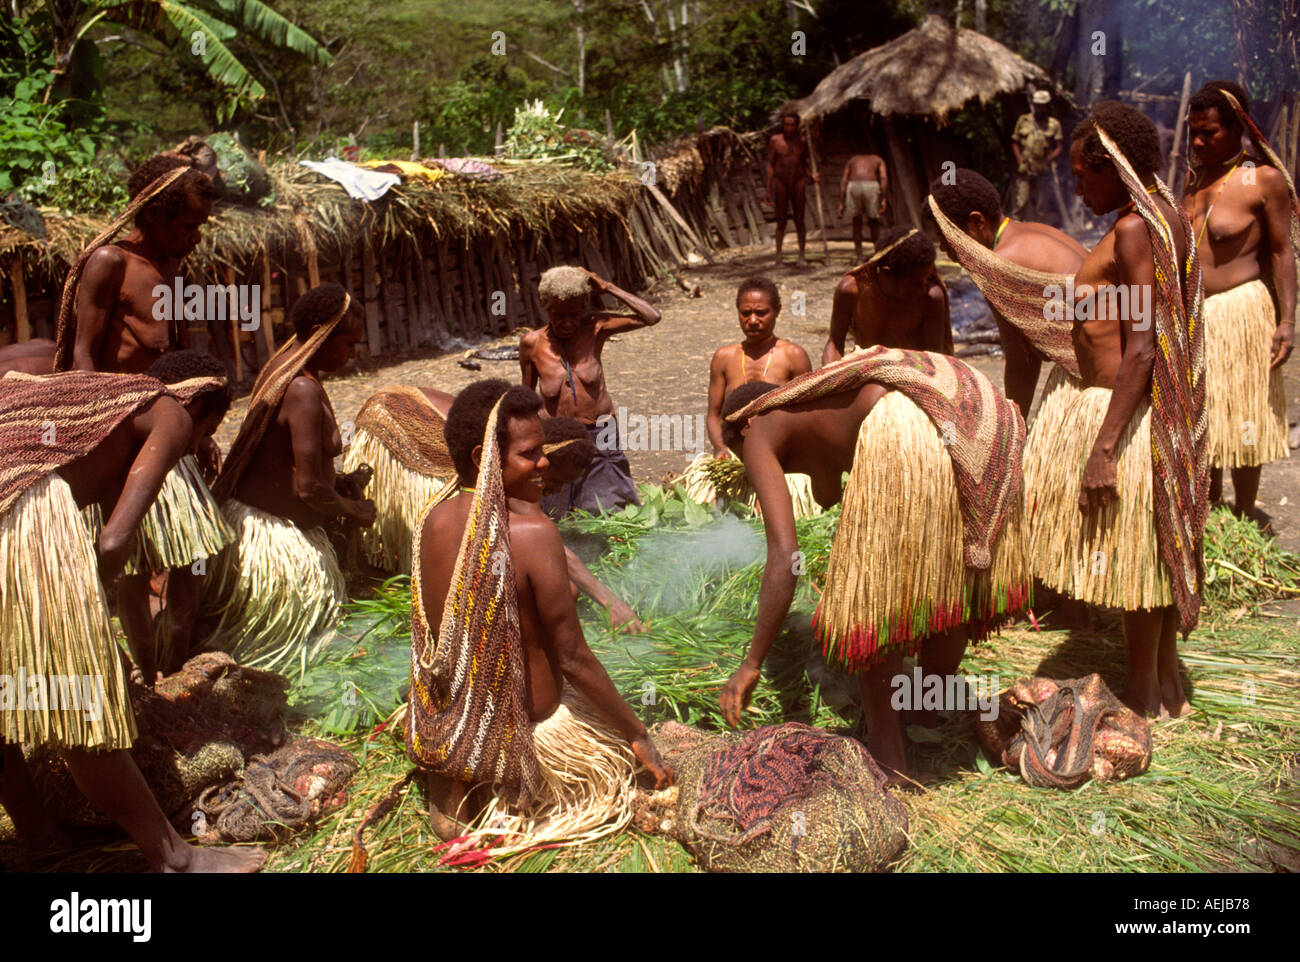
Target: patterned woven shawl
{"x": 65, "y": 337}
{"x": 1267, "y": 150}
{"x": 1015, "y": 292}
{"x": 1179, "y": 437}
{"x": 983, "y": 431}
{"x": 406, "y": 422}
{"x": 468, "y": 716}
{"x": 49, "y": 420}
{"x": 268, "y": 391}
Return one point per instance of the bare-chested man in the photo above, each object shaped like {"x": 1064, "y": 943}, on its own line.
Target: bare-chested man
{"x": 562, "y": 361}
{"x": 118, "y": 327}
{"x": 561, "y": 679}
{"x": 761, "y": 356}
{"x": 788, "y": 173}
{"x": 865, "y": 186}
{"x": 1241, "y": 209}
{"x": 115, "y": 456}
{"x": 895, "y": 299}
{"x": 972, "y": 203}
{"x": 278, "y": 490}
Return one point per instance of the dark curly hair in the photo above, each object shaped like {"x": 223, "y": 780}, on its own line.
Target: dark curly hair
{"x": 914, "y": 254}
{"x": 193, "y": 184}
{"x": 1133, "y": 132}
{"x": 763, "y": 284}
{"x": 176, "y": 366}
{"x": 315, "y": 307}
{"x": 468, "y": 417}
{"x": 1210, "y": 97}
{"x": 970, "y": 191}
{"x": 737, "y": 399}
{"x": 569, "y": 446}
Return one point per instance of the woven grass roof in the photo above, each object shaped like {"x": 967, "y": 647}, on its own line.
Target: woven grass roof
{"x": 932, "y": 70}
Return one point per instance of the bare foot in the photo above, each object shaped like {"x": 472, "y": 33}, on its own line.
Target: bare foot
{"x": 220, "y": 861}
{"x": 445, "y": 828}
{"x": 1146, "y": 704}
{"x": 1173, "y": 702}
{"x": 780, "y": 262}
{"x": 801, "y": 263}
{"x": 891, "y": 757}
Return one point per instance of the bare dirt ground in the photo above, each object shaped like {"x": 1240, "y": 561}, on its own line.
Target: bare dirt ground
{"x": 664, "y": 370}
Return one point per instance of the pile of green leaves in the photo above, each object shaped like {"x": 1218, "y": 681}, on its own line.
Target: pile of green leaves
{"x": 537, "y": 134}
{"x": 1245, "y": 567}
{"x": 78, "y": 190}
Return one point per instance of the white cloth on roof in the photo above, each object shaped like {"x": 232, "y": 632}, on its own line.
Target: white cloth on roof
{"x": 359, "y": 182}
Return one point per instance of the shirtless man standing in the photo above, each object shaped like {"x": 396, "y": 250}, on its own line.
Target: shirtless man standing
{"x": 787, "y": 176}
{"x": 1241, "y": 210}
{"x": 972, "y": 204}
{"x": 761, "y": 356}
{"x": 866, "y": 185}
{"x": 561, "y": 360}
{"x": 895, "y": 299}
{"x": 545, "y": 644}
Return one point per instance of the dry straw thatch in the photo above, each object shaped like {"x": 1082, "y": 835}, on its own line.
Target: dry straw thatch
{"x": 932, "y": 70}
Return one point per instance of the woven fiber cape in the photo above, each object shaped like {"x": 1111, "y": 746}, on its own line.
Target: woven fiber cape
{"x": 1267, "y": 150}
{"x": 1015, "y": 292}
{"x": 49, "y": 420}
{"x": 468, "y": 717}
{"x": 65, "y": 337}
{"x": 986, "y": 430}
{"x": 268, "y": 391}
{"x": 1180, "y": 452}
{"x": 407, "y": 423}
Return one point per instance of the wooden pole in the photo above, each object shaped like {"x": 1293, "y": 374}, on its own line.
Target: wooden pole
{"x": 666, "y": 204}
{"x": 1176, "y": 154}
{"x": 268, "y": 335}
{"x": 234, "y": 329}
{"x": 374, "y": 342}
{"x": 817, "y": 190}
{"x": 22, "y": 322}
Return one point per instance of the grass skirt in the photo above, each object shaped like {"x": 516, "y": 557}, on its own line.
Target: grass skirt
{"x": 707, "y": 479}
{"x": 54, "y": 623}
{"x": 588, "y": 783}
{"x": 277, "y": 590}
{"x": 1109, "y": 557}
{"x": 183, "y": 524}
{"x": 400, "y": 495}
{"x": 1059, "y": 393}
{"x": 896, "y": 572}
{"x": 1245, "y": 401}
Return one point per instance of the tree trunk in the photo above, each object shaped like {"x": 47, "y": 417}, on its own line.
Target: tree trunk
{"x": 982, "y": 16}
{"x": 579, "y": 7}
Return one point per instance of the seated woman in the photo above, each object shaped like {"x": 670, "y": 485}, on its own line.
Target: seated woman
{"x": 505, "y": 694}
{"x": 279, "y": 587}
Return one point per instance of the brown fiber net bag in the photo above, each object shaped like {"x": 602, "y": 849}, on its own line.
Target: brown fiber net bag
{"x": 784, "y": 798}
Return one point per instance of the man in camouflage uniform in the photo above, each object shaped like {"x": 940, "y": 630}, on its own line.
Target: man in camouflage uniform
{"x": 1036, "y": 143}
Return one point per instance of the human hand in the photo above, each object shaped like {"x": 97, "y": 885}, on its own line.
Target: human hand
{"x": 364, "y": 512}
{"x": 1283, "y": 339}
{"x": 208, "y": 453}
{"x": 722, "y": 454}
{"x": 646, "y": 753}
{"x": 736, "y": 693}
{"x": 600, "y": 285}
{"x": 624, "y": 618}
{"x": 113, "y": 553}
{"x": 1100, "y": 482}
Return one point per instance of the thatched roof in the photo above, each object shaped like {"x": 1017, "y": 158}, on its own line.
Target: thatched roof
{"x": 932, "y": 70}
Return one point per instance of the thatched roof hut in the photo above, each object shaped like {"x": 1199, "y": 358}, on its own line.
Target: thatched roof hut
{"x": 912, "y": 86}
{"x": 932, "y": 70}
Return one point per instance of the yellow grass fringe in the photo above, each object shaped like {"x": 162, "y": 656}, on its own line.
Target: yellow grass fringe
{"x": 1109, "y": 557}
{"x": 708, "y": 480}
{"x": 400, "y": 496}
{"x": 54, "y": 622}
{"x": 1245, "y": 401}
{"x": 1058, "y": 393}
{"x": 896, "y": 572}
{"x": 588, "y": 783}
{"x": 278, "y": 590}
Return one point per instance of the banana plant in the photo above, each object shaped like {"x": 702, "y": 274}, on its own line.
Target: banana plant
{"x": 205, "y": 27}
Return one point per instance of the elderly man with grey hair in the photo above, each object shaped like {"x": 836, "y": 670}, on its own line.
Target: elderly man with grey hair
{"x": 561, "y": 361}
